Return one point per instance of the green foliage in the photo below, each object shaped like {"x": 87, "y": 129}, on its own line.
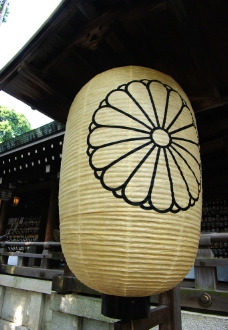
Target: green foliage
{"x": 4, "y": 9}
{"x": 5, "y": 15}
{"x": 12, "y": 124}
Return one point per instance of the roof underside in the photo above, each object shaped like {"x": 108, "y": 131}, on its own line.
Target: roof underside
{"x": 186, "y": 39}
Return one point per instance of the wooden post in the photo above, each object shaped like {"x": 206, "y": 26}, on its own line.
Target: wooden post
{"x": 53, "y": 211}
{"x": 67, "y": 271}
{"x": 20, "y": 261}
{"x": 167, "y": 314}
{"x": 45, "y": 262}
{"x": 171, "y": 298}
{"x": 205, "y": 277}
{"x": 64, "y": 283}
{"x": 3, "y": 258}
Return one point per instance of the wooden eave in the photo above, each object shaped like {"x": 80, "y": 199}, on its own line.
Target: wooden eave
{"x": 186, "y": 39}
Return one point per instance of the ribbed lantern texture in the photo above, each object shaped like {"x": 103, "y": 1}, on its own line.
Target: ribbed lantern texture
{"x": 130, "y": 183}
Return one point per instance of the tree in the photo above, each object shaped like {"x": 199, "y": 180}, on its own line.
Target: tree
{"x": 4, "y": 10}
{"x": 12, "y": 124}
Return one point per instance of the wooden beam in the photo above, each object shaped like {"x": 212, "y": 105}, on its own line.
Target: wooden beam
{"x": 207, "y": 102}
{"x": 34, "y": 75}
{"x": 87, "y": 9}
{"x": 211, "y": 146}
{"x": 32, "y": 272}
{"x": 211, "y": 262}
{"x": 190, "y": 298}
{"x": 67, "y": 9}
{"x": 91, "y": 34}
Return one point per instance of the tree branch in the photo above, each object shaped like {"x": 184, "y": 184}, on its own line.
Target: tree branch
{"x": 2, "y": 11}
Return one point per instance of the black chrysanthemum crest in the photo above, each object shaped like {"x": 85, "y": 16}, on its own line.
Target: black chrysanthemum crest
{"x": 145, "y": 149}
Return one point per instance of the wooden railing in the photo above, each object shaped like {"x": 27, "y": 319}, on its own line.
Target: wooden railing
{"x": 206, "y": 292}
{"x": 41, "y": 259}
{"x": 45, "y": 260}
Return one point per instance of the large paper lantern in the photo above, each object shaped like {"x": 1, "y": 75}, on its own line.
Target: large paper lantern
{"x": 130, "y": 184}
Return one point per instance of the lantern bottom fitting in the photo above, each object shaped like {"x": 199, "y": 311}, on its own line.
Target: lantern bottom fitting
{"x": 125, "y": 308}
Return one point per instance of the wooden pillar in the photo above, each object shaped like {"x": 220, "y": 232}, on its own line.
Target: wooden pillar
{"x": 4, "y": 216}
{"x": 171, "y": 298}
{"x": 53, "y": 211}
{"x": 205, "y": 277}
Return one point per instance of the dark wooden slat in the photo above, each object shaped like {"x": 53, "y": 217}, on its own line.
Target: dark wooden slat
{"x": 195, "y": 46}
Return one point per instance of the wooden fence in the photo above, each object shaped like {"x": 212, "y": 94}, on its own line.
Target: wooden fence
{"x": 45, "y": 260}
{"x": 41, "y": 259}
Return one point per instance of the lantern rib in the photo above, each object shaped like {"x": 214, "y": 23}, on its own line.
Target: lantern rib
{"x": 166, "y": 109}
{"x": 185, "y": 140}
{"x": 132, "y": 175}
{"x": 198, "y": 183}
{"x": 186, "y": 150}
{"x": 186, "y": 184}
{"x": 114, "y": 143}
{"x": 175, "y": 118}
{"x": 119, "y": 159}
{"x": 127, "y": 114}
{"x": 182, "y": 128}
{"x": 136, "y": 102}
{"x": 153, "y": 104}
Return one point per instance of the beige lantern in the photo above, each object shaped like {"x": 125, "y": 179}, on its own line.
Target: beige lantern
{"x": 130, "y": 184}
